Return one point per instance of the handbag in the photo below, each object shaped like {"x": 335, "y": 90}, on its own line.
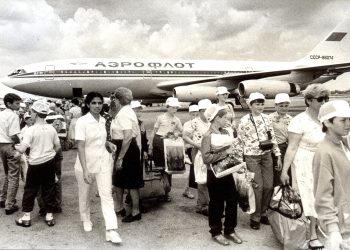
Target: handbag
{"x": 287, "y": 202}
{"x": 244, "y": 181}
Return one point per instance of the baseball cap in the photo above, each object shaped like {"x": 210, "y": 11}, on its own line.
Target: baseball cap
{"x": 41, "y": 107}
{"x": 193, "y": 108}
{"x": 282, "y": 97}
{"x": 28, "y": 100}
{"x": 204, "y": 104}
{"x": 135, "y": 104}
{"x": 172, "y": 102}
{"x": 212, "y": 111}
{"x": 22, "y": 105}
{"x": 58, "y": 102}
{"x": 337, "y": 108}
{"x": 221, "y": 90}
{"x": 255, "y": 96}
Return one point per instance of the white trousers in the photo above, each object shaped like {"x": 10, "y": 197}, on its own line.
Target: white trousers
{"x": 104, "y": 186}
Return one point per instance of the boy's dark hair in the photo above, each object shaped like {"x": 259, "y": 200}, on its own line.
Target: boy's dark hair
{"x": 324, "y": 128}
{"x": 11, "y": 98}
{"x": 75, "y": 101}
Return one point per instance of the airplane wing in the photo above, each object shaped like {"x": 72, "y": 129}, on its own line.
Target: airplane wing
{"x": 339, "y": 68}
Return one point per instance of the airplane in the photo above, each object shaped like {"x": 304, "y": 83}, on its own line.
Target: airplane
{"x": 188, "y": 80}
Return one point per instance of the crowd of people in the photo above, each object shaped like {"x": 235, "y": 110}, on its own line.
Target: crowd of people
{"x": 309, "y": 151}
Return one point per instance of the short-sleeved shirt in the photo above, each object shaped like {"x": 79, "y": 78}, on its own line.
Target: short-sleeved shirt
{"x": 310, "y": 130}
{"x": 9, "y": 125}
{"x": 166, "y": 123}
{"x": 126, "y": 119}
{"x": 251, "y": 135}
{"x": 94, "y": 134}
{"x": 41, "y": 139}
{"x": 280, "y": 126}
{"x": 195, "y": 129}
{"x": 75, "y": 111}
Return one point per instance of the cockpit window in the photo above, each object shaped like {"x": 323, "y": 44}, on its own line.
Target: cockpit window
{"x": 17, "y": 72}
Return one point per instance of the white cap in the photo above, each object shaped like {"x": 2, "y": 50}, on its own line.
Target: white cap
{"x": 22, "y": 105}
{"x": 221, "y": 90}
{"x": 172, "y": 102}
{"x": 41, "y": 107}
{"x": 337, "y": 108}
{"x": 58, "y": 102}
{"x": 255, "y": 96}
{"x": 212, "y": 111}
{"x": 193, "y": 108}
{"x": 204, "y": 104}
{"x": 282, "y": 97}
{"x": 26, "y": 115}
{"x": 135, "y": 104}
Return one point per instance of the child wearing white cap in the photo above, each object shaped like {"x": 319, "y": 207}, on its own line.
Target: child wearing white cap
{"x": 331, "y": 174}
{"x": 222, "y": 95}
{"x": 193, "y": 111}
{"x": 256, "y": 132}
{"x": 42, "y": 139}
{"x": 280, "y": 121}
{"x": 165, "y": 125}
{"x": 193, "y": 134}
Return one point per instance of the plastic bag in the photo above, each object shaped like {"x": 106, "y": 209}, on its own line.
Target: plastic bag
{"x": 292, "y": 233}
{"x": 286, "y": 201}
{"x": 200, "y": 169}
{"x": 244, "y": 181}
{"x": 174, "y": 154}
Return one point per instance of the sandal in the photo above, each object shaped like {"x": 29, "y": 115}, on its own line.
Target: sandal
{"x": 315, "y": 244}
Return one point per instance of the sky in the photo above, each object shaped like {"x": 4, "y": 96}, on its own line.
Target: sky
{"x": 278, "y": 30}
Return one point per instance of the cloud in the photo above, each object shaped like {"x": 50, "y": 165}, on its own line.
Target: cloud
{"x": 38, "y": 30}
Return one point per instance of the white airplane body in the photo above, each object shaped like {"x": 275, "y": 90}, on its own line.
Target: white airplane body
{"x": 189, "y": 80}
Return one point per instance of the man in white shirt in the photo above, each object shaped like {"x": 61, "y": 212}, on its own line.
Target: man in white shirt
{"x": 9, "y": 132}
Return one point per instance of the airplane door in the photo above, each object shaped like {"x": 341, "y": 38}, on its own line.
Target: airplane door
{"x": 49, "y": 72}
{"x": 147, "y": 74}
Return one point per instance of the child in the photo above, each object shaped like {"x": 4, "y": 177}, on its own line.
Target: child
{"x": 43, "y": 142}
{"x": 331, "y": 174}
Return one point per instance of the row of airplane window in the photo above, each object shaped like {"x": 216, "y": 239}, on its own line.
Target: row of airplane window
{"x": 143, "y": 72}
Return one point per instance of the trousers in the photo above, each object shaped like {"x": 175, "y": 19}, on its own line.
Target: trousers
{"x": 261, "y": 166}
{"x": 104, "y": 186}
{"x": 40, "y": 176}
{"x": 11, "y": 162}
{"x": 223, "y": 196}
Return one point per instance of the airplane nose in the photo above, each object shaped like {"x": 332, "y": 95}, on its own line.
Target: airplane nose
{"x": 7, "y": 82}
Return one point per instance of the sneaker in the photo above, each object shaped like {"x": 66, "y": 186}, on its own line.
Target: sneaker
{"x": 87, "y": 226}
{"x": 113, "y": 236}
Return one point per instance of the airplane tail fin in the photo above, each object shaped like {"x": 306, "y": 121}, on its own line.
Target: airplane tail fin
{"x": 334, "y": 49}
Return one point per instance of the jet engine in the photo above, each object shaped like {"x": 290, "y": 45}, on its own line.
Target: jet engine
{"x": 194, "y": 93}
{"x": 269, "y": 88}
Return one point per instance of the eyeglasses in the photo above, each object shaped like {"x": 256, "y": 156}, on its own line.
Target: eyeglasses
{"x": 322, "y": 98}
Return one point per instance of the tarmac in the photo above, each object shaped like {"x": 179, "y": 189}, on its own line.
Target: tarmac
{"x": 166, "y": 225}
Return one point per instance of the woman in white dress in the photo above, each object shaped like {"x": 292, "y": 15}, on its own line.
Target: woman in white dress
{"x": 304, "y": 135}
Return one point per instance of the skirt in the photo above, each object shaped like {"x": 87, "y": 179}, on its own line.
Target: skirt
{"x": 131, "y": 174}
{"x": 304, "y": 180}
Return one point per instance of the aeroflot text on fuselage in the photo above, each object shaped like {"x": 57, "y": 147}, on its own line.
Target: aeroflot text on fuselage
{"x": 153, "y": 65}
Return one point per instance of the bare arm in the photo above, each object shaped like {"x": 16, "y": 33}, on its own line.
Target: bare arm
{"x": 82, "y": 159}
{"x": 293, "y": 144}
{"x": 127, "y": 137}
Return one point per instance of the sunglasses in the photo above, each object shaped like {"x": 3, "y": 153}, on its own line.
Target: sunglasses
{"x": 322, "y": 98}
